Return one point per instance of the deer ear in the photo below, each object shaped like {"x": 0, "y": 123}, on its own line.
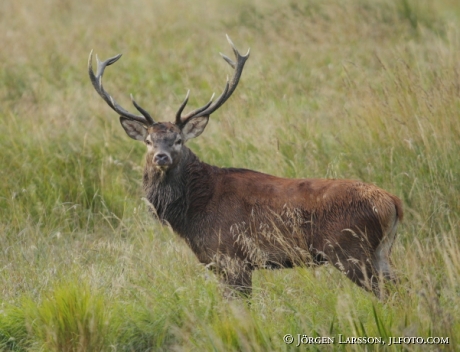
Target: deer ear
{"x": 134, "y": 129}
{"x": 194, "y": 127}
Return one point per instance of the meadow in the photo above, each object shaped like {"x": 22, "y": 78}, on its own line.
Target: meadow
{"x": 358, "y": 89}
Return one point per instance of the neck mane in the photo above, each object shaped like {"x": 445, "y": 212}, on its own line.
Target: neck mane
{"x": 179, "y": 194}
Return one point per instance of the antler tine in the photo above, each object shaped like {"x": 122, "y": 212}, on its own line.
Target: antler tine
{"x": 180, "y": 119}
{"x": 96, "y": 80}
{"x": 230, "y": 87}
{"x": 181, "y": 108}
{"x": 197, "y": 111}
{"x": 142, "y": 111}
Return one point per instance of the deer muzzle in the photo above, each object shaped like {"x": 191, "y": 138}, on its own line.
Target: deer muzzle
{"x": 162, "y": 159}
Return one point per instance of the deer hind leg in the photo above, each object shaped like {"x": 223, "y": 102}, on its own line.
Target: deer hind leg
{"x": 361, "y": 273}
{"x": 367, "y": 267}
{"x": 382, "y": 253}
{"x": 382, "y": 262}
{"x": 357, "y": 265}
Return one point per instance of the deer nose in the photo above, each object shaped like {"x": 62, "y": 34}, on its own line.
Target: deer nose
{"x": 162, "y": 159}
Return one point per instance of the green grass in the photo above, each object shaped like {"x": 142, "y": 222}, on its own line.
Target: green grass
{"x": 355, "y": 89}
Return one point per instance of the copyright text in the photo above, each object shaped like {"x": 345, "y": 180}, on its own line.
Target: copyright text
{"x": 303, "y": 339}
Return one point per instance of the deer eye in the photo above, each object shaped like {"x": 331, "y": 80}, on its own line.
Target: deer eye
{"x": 148, "y": 142}
{"x": 178, "y": 142}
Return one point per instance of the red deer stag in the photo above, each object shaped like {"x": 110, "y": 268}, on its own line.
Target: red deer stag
{"x": 238, "y": 220}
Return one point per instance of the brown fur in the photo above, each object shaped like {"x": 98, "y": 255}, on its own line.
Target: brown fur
{"x": 238, "y": 220}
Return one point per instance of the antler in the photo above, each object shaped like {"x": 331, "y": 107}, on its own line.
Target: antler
{"x": 230, "y": 87}
{"x": 146, "y": 119}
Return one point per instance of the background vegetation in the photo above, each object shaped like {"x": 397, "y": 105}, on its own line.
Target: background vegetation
{"x": 356, "y": 89}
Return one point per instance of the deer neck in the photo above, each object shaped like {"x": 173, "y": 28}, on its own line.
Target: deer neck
{"x": 169, "y": 191}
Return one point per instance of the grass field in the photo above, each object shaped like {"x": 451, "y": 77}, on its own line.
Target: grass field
{"x": 358, "y": 89}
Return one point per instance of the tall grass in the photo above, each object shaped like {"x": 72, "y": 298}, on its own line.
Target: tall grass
{"x": 350, "y": 89}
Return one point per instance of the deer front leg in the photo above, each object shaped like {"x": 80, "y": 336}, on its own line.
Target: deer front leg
{"x": 237, "y": 280}
{"x": 235, "y": 275}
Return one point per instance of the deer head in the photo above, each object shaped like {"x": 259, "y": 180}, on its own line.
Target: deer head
{"x": 164, "y": 140}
